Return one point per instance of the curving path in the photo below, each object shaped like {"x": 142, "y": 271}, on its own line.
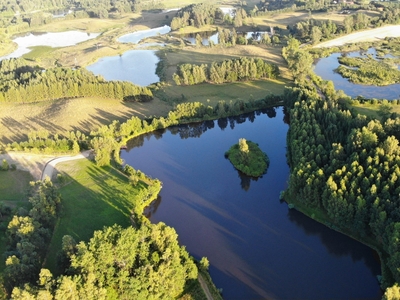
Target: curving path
{"x": 51, "y": 164}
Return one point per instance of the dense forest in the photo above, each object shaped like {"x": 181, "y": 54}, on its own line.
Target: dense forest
{"x": 344, "y": 165}
{"x": 19, "y": 82}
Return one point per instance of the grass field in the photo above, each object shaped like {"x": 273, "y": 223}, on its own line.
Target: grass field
{"x": 92, "y": 197}
{"x": 371, "y": 110}
{"x": 60, "y": 116}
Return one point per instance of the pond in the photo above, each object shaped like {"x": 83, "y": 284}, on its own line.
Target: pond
{"x": 256, "y": 246}
{"x": 136, "y": 37}
{"x": 325, "y": 67}
{"x": 136, "y": 66}
{"x": 52, "y": 39}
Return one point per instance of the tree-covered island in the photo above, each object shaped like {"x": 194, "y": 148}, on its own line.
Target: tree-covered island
{"x": 248, "y": 158}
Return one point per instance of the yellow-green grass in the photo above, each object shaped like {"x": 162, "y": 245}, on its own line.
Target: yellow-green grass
{"x": 372, "y": 110}
{"x": 14, "y": 186}
{"x": 281, "y": 20}
{"x": 92, "y": 197}
{"x": 210, "y": 94}
{"x": 60, "y": 116}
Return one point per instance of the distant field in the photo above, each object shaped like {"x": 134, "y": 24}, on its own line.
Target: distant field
{"x": 371, "y": 110}
{"x": 60, "y": 116}
{"x": 92, "y": 197}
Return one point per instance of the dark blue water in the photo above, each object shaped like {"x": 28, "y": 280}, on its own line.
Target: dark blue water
{"x": 325, "y": 68}
{"x": 256, "y": 246}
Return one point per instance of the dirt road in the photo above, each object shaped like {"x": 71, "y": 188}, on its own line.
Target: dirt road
{"x": 50, "y": 165}
{"x": 363, "y": 36}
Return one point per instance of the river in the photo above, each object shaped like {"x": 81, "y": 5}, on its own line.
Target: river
{"x": 256, "y": 246}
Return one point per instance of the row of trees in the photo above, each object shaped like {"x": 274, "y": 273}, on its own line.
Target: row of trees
{"x": 345, "y": 165}
{"x": 239, "y": 69}
{"x": 43, "y": 142}
{"x": 22, "y": 83}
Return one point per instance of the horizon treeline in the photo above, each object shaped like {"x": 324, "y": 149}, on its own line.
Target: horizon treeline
{"x": 231, "y": 70}
{"x": 22, "y": 83}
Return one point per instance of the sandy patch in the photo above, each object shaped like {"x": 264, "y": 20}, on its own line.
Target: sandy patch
{"x": 33, "y": 163}
{"x": 363, "y": 36}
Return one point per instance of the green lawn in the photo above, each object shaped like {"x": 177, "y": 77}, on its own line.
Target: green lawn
{"x": 92, "y": 197}
{"x": 371, "y": 110}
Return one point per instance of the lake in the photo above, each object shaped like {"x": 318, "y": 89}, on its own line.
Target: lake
{"x": 136, "y": 37}
{"x": 257, "y": 247}
{"x": 136, "y": 66}
{"x": 52, "y": 39}
{"x": 325, "y": 67}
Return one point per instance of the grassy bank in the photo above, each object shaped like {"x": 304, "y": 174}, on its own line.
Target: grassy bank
{"x": 92, "y": 197}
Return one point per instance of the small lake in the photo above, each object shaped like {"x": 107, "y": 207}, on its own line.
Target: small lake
{"x": 136, "y": 66}
{"x": 257, "y": 247}
{"x": 136, "y": 37}
{"x": 325, "y": 67}
{"x": 52, "y": 39}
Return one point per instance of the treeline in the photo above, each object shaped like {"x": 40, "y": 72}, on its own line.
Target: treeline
{"x": 43, "y": 142}
{"x": 196, "y": 15}
{"x": 29, "y": 234}
{"x": 239, "y": 69}
{"x": 345, "y": 165}
{"x": 314, "y": 30}
{"x": 22, "y": 83}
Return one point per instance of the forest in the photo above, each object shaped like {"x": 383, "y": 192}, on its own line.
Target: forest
{"x": 19, "y": 82}
{"x": 345, "y": 166}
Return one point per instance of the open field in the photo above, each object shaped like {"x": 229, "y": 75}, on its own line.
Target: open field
{"x": 92, "y": 197}
{"x": 210, "y": 94}
{"x": 60, "y": 116}
{"x": 371, "y": 110}
{"x": 364, "y": 36}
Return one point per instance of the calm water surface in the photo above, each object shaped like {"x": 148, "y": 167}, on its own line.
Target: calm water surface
{"x": 52, "y": 39}
{"x": 256, "y": 246}
{"x": 136, "y": 66}
{"x": 136, "y": 37}
{"x": 325, "y": 68}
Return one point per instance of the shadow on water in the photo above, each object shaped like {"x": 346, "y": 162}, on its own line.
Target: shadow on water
{"x": 330, "y": 237}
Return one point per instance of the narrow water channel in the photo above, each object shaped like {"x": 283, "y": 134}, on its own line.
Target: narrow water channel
{"x": 257, "y": 247}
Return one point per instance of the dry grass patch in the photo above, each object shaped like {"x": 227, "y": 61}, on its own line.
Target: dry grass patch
{"x": 60, "y": 116}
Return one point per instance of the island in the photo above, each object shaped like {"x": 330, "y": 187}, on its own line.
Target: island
{"x": 248, "y": 158}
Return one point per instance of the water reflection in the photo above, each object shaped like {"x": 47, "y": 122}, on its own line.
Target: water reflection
{"x": 329, "y": 238}
{"x": 325, "y": 67}
{"x": 256, "y": 250}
